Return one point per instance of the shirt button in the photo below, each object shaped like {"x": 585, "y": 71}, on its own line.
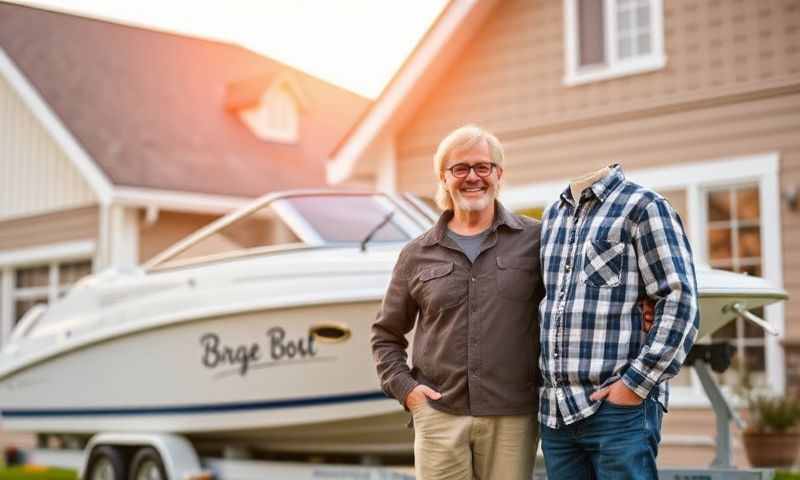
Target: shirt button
{"x": 568, "y": 267}
{"x": 473, "y": 279}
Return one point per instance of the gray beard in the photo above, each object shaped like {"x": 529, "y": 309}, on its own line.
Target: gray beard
{"x": 473, "y": 205}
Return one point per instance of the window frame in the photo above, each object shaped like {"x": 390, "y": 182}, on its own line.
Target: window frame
{"x": 49, "y": 255}
{"x": 613, "y": 67}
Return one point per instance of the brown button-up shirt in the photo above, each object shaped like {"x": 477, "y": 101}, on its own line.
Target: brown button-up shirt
{"x": 476, "y": 338}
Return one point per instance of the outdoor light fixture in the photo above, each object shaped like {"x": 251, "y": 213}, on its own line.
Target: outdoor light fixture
{"x": 790, "y": 195}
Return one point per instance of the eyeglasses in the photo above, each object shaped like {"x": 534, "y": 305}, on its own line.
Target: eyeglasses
{"x": 482, "y": 169}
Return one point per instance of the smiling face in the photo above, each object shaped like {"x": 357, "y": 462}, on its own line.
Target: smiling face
{"x": 471, "y": 193}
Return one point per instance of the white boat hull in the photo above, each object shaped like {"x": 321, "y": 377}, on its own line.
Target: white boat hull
{"x": 242, "y": 375}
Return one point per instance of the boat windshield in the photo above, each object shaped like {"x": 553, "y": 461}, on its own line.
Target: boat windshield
{"x": 295, "y": 221}
{"x": 345, "y": 219}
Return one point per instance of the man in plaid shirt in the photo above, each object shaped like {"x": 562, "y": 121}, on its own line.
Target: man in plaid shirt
{"x": 604, "y": 379}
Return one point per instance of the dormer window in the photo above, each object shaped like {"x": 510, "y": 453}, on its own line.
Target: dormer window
{"x": 611, "y": 38}
{"x": 275, "y": 118}
{"x": 270, "y": 106}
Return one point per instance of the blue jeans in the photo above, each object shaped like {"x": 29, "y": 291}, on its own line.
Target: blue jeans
{"x": 617, "y": 442}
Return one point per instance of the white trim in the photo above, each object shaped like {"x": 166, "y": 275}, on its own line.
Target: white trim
{"x": 52, "y": 287}
{"x": 124, "y": 236}
{"x": 772, "y": 265}
{"x": 96, "y": 179}
{"x": 695, "y": 178}
{"x": 178, "y": 201}
{"x": 47, "y": 253}
{"x": 574, "y": 75}
{"x": 634, "y": 67}
{"x": 102, "y": 252}
{"x": 342, "y": 165}
{"x": 387, "y": 166}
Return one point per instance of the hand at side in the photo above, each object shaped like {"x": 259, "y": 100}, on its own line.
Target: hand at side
{"x": 420, "y": 394}
{"x": 617, "y": 393}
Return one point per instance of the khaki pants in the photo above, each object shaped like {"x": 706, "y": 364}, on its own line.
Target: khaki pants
{"x": 456, "y": 447}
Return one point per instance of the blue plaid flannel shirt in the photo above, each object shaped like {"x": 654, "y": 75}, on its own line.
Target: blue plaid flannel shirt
{"x": 623, "y": 242}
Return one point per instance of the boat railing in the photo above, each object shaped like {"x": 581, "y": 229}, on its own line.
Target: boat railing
{"x": 27, "y": 322}
{"x": 259, "y": 203}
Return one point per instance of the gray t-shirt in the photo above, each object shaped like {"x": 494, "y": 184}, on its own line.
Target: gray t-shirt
{"x": 470, "y": 244}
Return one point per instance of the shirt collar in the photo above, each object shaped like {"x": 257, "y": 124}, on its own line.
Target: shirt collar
{"x": 601, "y": 188}
{"x": 501, "y": 217}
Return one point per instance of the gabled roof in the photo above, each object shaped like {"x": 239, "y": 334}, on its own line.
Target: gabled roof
{"x": 149, "y": 107}
{"x": 435, "y": 52}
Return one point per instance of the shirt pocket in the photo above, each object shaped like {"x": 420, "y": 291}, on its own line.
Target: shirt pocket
{"x": 515, "y": 277}
{"x": 439, "y": 287}
{"x": 602, "y": 266}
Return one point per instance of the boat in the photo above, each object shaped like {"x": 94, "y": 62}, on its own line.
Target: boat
{"x": 253, "y": 331}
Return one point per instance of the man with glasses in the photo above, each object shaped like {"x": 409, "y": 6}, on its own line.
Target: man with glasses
{"x": 472, "y": 286}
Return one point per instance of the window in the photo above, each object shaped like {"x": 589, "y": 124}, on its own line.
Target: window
{"x": 276, "y": 117}
{"x": 734, "y": 243}
{"x": 611, "y": 38}
{"x": 43, "y": 284}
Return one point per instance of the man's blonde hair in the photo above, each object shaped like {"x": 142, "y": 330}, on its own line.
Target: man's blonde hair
{"x": 461, "y": 139}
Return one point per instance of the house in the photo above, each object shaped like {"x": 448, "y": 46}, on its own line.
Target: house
{"x": 698, "y": 99}
{"x": 117, "y": 141}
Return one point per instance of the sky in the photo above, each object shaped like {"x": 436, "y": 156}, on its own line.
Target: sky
{"x": 356, "y": 44}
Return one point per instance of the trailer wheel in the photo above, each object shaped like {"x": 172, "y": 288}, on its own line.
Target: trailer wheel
{"x": 147, "y": 465}
{"x": 106, "y": 463}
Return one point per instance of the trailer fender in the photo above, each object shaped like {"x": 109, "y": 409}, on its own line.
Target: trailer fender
{"x": 179, "y": 457}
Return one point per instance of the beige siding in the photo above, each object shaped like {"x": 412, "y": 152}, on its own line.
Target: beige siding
{"x": 169, "y": 228}
{"x": 510, "y": 77}
{"x": 46, "y": 229}
{"x": 743, "y": 128}
{"x": 35, "y": 175}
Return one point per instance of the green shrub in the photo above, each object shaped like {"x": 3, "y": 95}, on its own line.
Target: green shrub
{"x": 773, "y": 414}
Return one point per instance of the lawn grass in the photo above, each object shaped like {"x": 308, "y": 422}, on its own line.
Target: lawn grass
{"x": 37, "y": 473}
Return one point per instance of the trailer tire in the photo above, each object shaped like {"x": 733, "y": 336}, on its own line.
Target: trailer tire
{"x": 106, "y": 463}
{"x": 147, "y": 465}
